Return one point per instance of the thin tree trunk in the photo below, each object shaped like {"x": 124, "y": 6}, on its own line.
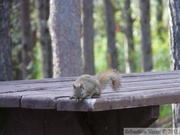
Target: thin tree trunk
{"x": 5, "y": 46}
{"x": 159, "y": 17}
{"x": 145, "y": 35}
{"x": 175, "y": 50}
{"x": 88, "y": 36}
{"x": 27, "y": 43}
{"x": 110, "y": 30}
{"x": 65, "y": 29}
{"x": 175, "y": 33}
{"x": 42, "y": 7}
{"x": 16, "y": 42}
{"x": 129, "y": 54}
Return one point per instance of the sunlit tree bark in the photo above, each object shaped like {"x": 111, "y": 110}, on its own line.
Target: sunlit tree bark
{"x": 175, "y": 50}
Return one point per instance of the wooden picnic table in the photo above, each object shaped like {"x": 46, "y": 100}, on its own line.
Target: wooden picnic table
{"x": 43, "y": 107}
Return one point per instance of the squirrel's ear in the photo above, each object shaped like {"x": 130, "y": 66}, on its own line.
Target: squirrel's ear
{"x": 81, "y": 86}
{"x": 74, "y": 86}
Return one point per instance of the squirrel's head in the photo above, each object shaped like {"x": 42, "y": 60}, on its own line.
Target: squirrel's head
{"x": 79, "y": 92}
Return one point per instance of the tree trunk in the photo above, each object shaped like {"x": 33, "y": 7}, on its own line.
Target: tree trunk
{"x": 145, "y": 35}
{"x": 5, "y": 46}
{"x": 174, "y": 6}
{"x": 65, "y": 29}
{"x": 16, "y": 39}
{"x": 129, "y": 46}
{"x": 110, "y": 30}
{"x": 88, "y": 37}
{"x": 27, "y": 43}
{"x": 159, "y": 9}
{"x": 159, "y": 17}
{"x": 42, "y": 8}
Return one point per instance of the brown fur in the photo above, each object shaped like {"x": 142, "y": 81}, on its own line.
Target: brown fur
{"x": 87, "y": 86}
{"x": 111, "y": 77}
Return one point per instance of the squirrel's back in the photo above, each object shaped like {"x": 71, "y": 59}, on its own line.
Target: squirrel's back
{"x": 111, "y": 77}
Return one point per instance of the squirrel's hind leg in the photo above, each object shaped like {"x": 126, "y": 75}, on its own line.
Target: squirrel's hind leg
{"x": 96, "y": 93}
{"x": 90, "y": 96}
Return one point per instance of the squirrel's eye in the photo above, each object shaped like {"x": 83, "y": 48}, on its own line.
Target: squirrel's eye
{"x": 82, "y": 93}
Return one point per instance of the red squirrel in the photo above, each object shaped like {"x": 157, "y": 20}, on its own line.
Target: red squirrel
{"x": 87, "y": 86}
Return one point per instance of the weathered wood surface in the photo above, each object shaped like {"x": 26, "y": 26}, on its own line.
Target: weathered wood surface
{"x": 137, "y": 90}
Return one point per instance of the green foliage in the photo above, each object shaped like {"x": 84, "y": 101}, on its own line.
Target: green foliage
{"x": 99, "y": 19}
{"x": 160, "y": 38}
{"x": 36, "y": 64}
{"x": 120, "y": 49}
{"x": 165, "y": 110}
{"x": 100, "y": 54}
{"x": 100, "y": 47}
{"x": 160, "y": 42}
{"x": 161, "y": 52}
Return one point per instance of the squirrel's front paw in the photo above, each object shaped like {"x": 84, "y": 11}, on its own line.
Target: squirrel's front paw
{"x": 96, "y": 96}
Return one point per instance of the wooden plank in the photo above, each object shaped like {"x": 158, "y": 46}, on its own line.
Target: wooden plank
{"x": 4, "y": 115}
{"x": 82, "y": 119}
{"x": 67, "y": 79}
{"x": 122, "y": 100}
{"x": 138, "y": 117}
{"x": 49, "y": 99}
{"x": 11, "y": 100}
{"x": 151, "y": 73}
{"x": 14, "y": 99}
{"x": 44, "y": 97}
{"x": 113, "y": 122}
{"x": 25, "y": 122}
{"x": 147, "y": 87}
{"x": 33, "y": 81}
{"x": 51, "y": 122}
{"x": 163, "y": 83}
{"x": 125, "y": 87}
{"x": 49, "y": 96}
{"x": 104, "y": 123}
{"x": 151, "y": 82}
{"x": 144, "y": 86}
{"x": 32, "y": 87}
{"x": 150, "y": 78}
{"x": 63, "y": 82}
{"x": 46, "y": 100}
{"x": 41, "y": 87}
{"x": 61, "y": 123}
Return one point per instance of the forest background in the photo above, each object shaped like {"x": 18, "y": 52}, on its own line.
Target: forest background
{"x": 27, "y": 19}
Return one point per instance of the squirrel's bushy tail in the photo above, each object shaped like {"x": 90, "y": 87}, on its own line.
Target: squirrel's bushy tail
{"x": 111, "y": 77}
